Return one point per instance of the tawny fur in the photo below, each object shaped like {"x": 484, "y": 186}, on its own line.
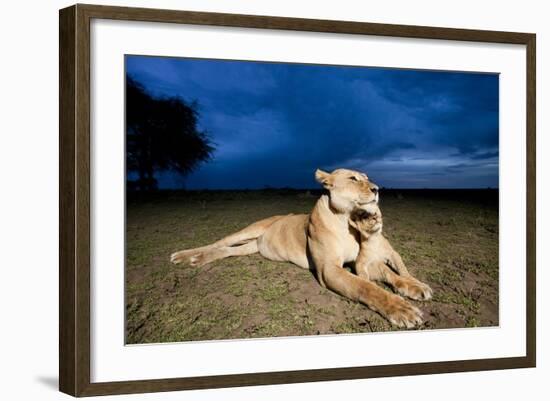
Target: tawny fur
{"x": 321, "y": 241}
{"x": 378, "y": 261}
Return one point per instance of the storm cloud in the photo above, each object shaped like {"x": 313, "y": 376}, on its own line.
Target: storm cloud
{"x": 275, "y": 123}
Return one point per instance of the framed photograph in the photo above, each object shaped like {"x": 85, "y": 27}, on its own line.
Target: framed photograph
{"x": 250, "y": 200}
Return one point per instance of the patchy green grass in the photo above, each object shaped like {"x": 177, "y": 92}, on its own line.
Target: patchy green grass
{"x": 449, "y": 239}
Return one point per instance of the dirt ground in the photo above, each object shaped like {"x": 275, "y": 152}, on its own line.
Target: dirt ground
{"x": 447, "y": 238}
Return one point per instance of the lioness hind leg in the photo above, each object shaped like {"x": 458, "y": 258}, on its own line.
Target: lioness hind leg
{"x": 243, "y": 236}
{"x": 248, "y": 233}
{"x": 211, "y": 255}
{"x": 407, "y": 286}
{"x": 187, "y": 254}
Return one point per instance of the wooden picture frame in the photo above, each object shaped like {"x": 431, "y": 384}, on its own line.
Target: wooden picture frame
{"x": 74, "y": 204}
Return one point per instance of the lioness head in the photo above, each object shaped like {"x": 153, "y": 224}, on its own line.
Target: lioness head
{"x": 348, "y": 189}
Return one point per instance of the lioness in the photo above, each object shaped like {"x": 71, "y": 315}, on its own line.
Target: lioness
{"x": 321, "y": 241}
{"x": 377, "y": 260}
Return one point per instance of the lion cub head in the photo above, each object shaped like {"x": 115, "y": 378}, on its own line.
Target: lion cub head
{"x": 367, "y": 220}
{"x": 348, "y": 189}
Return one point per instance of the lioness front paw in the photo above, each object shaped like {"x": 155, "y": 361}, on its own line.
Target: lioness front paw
{"x": 403, "y": 314}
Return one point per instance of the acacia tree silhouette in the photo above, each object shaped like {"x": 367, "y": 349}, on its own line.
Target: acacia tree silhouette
{"x": 161, "y": 135}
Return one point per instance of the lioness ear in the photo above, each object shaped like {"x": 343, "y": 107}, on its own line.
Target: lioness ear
{"x": 323, "y": 178}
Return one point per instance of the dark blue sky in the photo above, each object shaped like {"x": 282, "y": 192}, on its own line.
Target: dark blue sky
{"x": 274, "y": 124}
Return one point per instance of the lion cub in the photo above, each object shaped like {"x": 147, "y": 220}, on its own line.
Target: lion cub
{"x": 378, "y": 261}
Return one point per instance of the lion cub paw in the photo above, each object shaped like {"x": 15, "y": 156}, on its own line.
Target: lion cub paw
{"x": 415, "y": 289}
{"x": 403, "y": 314}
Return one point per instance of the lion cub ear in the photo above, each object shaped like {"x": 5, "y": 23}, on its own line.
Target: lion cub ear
{"x": 323, "y": 178}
